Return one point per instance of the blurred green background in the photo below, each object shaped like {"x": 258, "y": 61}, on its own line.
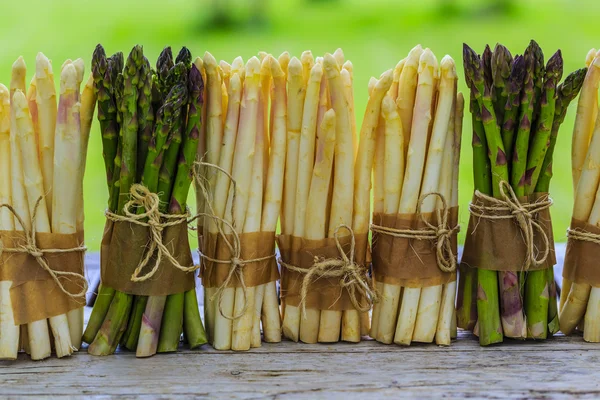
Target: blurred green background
{"x": 374, "y": 35}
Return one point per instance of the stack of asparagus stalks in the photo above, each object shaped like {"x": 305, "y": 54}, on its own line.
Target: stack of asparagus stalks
{"x": 150, "y": 124}
{"x": 43, "y": 148}
{"x": 327, "y": 181}
{"x": 517, "y": 107}
{"x": 417, "y": 153}
{"x": 244, "y": 161}
{"x": 580, "y": 299}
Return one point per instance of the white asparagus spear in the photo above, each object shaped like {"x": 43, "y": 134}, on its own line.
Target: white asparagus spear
{"x": 407, "y": 89}
{"x": 33, "y": 108}
{"x": 39, "y": 339}
{"x": 412, "y": 180}
{"x": 241, "y": 173}
{"x": 271, "y": 319}
{"x": 254, "y": 213}
{"x": 284, "y": 61}
{"x": 214, "y": 121}
{"x": 309, "y": 326}
{"x": 446, "y": 188}
{"x": 9, "y": 332}
{"x": 347, "y": 78}
{"x": 587, "y": 106}
{"x": 443, "y": 129}
{"x": 46, "y": 100}
{"x": 342, "y": 199}
{"x": 295, "y": 105}
{"x": 338, "y": 54}
{"x": 587, "y": 192}
{"x": 392, "y": 187}
{"x": 378, "y": 196}
{"x": 306, "y": 157}
{"x": 317, "y": 199}
{"x": 590, "y": 57}
{"x": 223, "y": 182}
{"x": 243, "y": 337}
{"x": 308, "y": 61}
{"x": 68, "y": 152}
{"x": 393, "y": 92}
{"x": 362, "y": 181}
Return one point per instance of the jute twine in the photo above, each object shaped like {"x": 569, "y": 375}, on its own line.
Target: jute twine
{"x": 585, "y": 236}
{"x": 350, "y": 275}
{"x": 440, "y": 234}
{"x": 509, "y": 207}
{"x": 30, "y": 247}
{"x": 235, "y": 262}
{"x": 156, "y": 221}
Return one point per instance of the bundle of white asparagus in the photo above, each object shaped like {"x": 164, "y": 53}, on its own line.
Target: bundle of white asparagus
{"x": 42, "y": 157}
{"x": 417, "y": 154}
{"x": 580, "y": 297}
{"x": 326, "y": 192}
{"x": 241, "y": 190}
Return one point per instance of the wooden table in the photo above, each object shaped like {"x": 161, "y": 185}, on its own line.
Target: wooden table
{"x": 557, "y": 368}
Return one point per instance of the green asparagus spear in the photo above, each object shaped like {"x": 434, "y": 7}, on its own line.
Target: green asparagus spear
{"x": 129, "y": 128}
{"x": 490, "y": 330}
{"x": 501, "y": 70}
{"x": 107, "y": 111}
{"x": 519, "y": 160}
{"x": 466, "y": 306}
{"x": 538, "y": 78}
{"x": 566, "y": 91}
{"x": 192, "y": 323}
{"x": 511, "y": 107}
{"x": 541, "y": 138}
{"x": 145, "y": 116}
{"x": 536, "y": 287}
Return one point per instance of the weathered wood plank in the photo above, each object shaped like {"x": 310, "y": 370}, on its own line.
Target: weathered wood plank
{"x": 556, "y": 368}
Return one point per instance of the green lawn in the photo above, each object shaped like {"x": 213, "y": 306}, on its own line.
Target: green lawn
{"x": 374, "y": 37}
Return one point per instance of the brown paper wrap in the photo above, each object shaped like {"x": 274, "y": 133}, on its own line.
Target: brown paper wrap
{"x": 583, "y": 250}
{"x": 34, "y": 294}
{"x": 254, "y": 245}
{"x": 410, "y": 262}
{"x": 124, "y": 245}
{"x": 323, "y": 293}
{"x": 498, "y": 244}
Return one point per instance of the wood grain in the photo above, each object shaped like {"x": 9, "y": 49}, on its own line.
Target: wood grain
{"x": 560, "y": 367}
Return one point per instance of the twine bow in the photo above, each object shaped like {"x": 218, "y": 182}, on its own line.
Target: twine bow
{"x": 156, "y": 221}
{"x": 30, "y": 247}
{"x": 509, "y": 207}
{"x": 352, "y": 276}
{"x": 237, "y": 264}
{"x": 440, "y": 234}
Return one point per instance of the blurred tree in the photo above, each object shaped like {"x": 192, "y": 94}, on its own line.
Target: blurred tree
{"x": 235, "y": 15}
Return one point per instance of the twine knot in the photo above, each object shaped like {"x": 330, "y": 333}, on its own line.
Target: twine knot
{"x": 351, "y": 276}
{"x": 441, "y": 234}
{"x": 156, "y": 221}
{"x": 30, "y": 247}
{"x": 509, "y": 207}
{"x": 234, "y": 246}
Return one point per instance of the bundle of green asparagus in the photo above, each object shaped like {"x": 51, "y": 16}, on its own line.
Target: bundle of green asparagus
{"x": 43, "y": 147}
{"x": 580, "y": 299}
{"x": 517, "y": 107}
{"x": 416, "y": 180}
{"x": 150, "y": 123}
{"x": 326, "y": 201}
{"x": 241, "y": 190}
